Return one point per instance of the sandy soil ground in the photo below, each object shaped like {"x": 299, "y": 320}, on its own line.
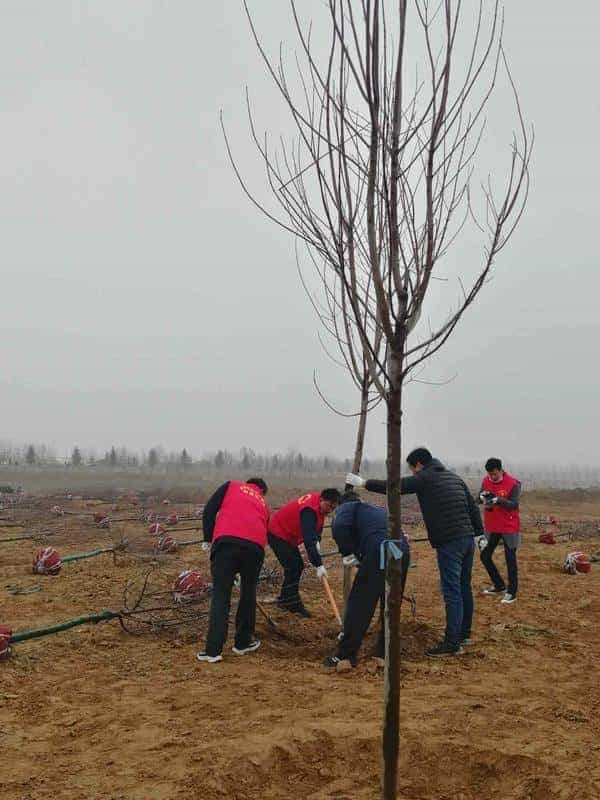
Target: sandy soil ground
{"x": 95, "y": 712}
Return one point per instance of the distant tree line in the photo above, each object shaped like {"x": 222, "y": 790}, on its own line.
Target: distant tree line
{"x": 290, "y": 463}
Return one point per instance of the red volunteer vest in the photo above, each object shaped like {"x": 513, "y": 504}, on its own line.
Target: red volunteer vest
{"x": 497, "y": 519}
{"x": 244, "y": 513}
{"x": 285, "y": 522}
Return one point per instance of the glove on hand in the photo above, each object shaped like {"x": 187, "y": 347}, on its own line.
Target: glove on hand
{"x": 350, "y": 561}
{"x": 492, "y": 501}
{"x": 481, "y": 542}
{"x": 205, "y": 546}
{"x": 321, "y": 572}
{"x": 355, "y": 480}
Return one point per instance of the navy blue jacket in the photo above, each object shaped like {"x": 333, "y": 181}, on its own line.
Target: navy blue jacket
{"x": 358, "y": 526}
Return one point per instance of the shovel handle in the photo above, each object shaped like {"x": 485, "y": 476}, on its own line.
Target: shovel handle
{"x": 331, "y": 599}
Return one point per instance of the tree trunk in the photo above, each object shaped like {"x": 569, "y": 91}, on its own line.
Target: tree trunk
{"x": 362, "y": 426}
{"x": 391, "y": 723}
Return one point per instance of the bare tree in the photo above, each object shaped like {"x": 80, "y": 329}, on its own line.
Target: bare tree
{"x": 377, "y": 183}
{"x": 338, "y": 321}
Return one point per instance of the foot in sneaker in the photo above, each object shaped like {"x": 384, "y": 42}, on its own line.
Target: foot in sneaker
{"x": 466, "y": 641}
{"x": 509, "y": 598}
{"x": 250, "y": 648}
{"x": 493, "y": 590}
{"x": 333, "y": 661}
{"x": 443, "y": 649}
{"x": 203, "y": 656}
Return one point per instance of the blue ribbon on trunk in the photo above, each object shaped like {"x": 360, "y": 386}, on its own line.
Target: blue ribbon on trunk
{"x": 394, "y": 551}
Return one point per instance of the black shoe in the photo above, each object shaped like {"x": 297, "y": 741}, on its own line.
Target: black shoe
{"x": 333, "y": 661}
{"x": 293, "y": 607}
{"x": 253, "y": 645}
{"x": 444, "y": 648}
{"x": 204, "y": 656}
{"x": 301, "y": 610}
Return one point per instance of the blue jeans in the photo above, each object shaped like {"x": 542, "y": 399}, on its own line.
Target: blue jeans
{"x": 455, "y": 562}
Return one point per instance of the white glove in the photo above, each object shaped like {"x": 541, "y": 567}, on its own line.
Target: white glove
{"x": 355, "y": 480}
{"x": 481, "y": 542}
{"x": 321, "y": 572}
{"x": 205, "y": 546}
{"x": 492, "y": 501}
{"x": 350, "y": 561}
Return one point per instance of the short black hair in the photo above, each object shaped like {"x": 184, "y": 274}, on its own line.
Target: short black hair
{"x": 260, "y": 483}
{"x": 331, "y": 495}
{"x": 350, "y": 496}
{"x": 493, "y": 463}
{"x": 420, "y": 455}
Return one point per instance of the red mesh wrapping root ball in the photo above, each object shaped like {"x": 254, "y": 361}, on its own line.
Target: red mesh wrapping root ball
{"x": 189, "y": 587}
{"x": 156, "y": 529}
{"x": 172, "y": 519}
{"x": 47, "y": 562}
{"x": 5, "y": 634}
{"x": 166, "y": 544}
{"x": 151, "y": 516}
{"x": 577, "y": 562}
{"x": 99, "y": 516}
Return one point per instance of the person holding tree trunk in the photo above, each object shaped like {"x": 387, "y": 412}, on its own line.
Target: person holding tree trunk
{"x": 500, "y": 494}
{"x": 452, "y": 519}
{"x": 235, "y": 521}
{"x": 299, "y": 522}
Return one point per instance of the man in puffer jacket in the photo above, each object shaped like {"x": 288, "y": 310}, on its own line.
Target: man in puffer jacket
{"x": 452, "y": 520}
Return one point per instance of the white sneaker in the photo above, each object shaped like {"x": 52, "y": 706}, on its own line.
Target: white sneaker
{"x": 492, "y": 590}
{"x": 203, "y": 656}
{"x": 509, "y": 598}
{"x": 242, "y": 651}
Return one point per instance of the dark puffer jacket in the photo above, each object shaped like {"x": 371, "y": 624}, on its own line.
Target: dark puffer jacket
{"x": 448, "y": 508}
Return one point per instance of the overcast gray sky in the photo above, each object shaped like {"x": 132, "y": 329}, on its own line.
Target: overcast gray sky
{"x": 144, "y": 301}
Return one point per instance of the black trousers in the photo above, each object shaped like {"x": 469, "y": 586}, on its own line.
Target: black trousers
{"x": 510, "y": 555}
{"x": 290, "y": 559}
{"x": 229, "y": 558}
{"x": 368, "y": 589}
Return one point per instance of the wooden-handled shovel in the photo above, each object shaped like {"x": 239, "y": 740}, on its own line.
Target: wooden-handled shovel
{"x": 332, "y": 602}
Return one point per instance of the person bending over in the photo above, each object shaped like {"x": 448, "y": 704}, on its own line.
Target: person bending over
{"x": 299, "y": 522}
{"x": 235, "y": 521}
{"x": 359, "y": 530}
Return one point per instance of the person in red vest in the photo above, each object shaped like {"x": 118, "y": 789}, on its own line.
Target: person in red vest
{"x": 500, "y": 494}
{"x": 299, "y": 522}
{"x": 235, "y": 521}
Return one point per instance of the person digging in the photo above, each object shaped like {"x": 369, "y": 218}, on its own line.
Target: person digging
{"x": 235, "y": 521}
{"x": 299, "y": 522}
{"x": 360, "y": 531}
